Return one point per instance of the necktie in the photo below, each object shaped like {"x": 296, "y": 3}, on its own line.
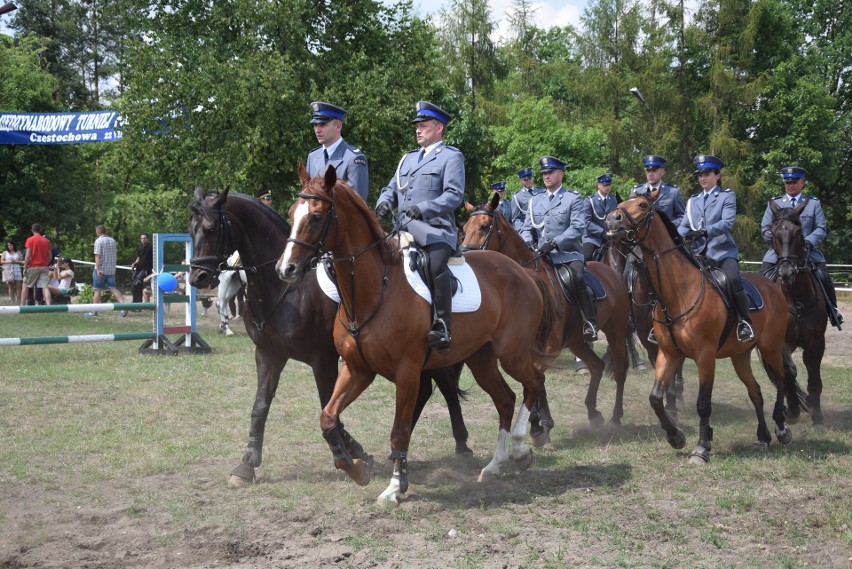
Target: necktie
{"x": 421, "y": 155}
{"x": 793, "y": 202}
{"x": 325, "y": 155}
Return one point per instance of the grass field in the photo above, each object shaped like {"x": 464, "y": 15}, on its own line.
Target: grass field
{"x": 112, "y": 459}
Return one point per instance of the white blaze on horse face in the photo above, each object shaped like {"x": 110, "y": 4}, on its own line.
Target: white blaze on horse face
{"x": 299, "y": 217}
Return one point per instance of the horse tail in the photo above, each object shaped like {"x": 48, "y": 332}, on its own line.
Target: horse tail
{"x": 792, "y": 389}
{"x": 545, "y": 358}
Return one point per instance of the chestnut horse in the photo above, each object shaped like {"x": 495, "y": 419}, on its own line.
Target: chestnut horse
{"x": 284, "y": 322}
{"x": 692, "y": 320}
{"x": 488, "y": 229}
{"x": 806, "y": 302}
{"x": 382, "y": 325}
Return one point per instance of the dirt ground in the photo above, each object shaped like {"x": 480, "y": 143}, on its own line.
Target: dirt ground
{"x": 106, "y": 533}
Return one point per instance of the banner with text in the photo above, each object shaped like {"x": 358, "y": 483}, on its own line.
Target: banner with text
{"x": 58, "y": 128}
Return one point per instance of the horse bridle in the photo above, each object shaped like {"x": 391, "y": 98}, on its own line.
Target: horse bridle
{"x": 631, "y": 237}
{"x": 495, "y": 223}
{"x": 215, "y": 264}
{"x": 798, "y": 262}
{"x": 319, "y": 247}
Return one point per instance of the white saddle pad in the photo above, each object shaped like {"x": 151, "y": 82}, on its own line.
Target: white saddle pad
{"x": 468, "y": 297}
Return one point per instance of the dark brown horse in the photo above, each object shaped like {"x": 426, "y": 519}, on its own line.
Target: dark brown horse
{"x": 283, "y": 321}
{"x": 807, "y": 320}
{"x": 692, "y": 320}
{"x": 382, "y": 325}
{"x": 488, "y": 229}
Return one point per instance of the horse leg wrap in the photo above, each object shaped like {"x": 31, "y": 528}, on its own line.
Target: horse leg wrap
{"x": 400, "y": 468}
{"x": 340, "y": 453}
{"x": 705, "y": 436}
{"x": 355, "y": 448}
{"x": 254, "y": 451}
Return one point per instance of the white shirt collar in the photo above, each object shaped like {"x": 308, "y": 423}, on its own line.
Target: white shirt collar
{"x": 431, "y": 147}
{"x": 333, "y": 147}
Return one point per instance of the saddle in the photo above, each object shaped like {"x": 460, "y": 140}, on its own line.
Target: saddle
{"x": 597, "y": 292}
{"x": 720, "y": 282}
{"x": 418, "y": 262}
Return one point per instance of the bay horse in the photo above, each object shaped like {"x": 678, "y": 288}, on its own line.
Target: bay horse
{"x": 382, "y": 326}
{"x": 692, "y": 320}
{"x": 628, "y": 262}
{"x": 488, "y": 229}
{"x": 283, "y": 321}
{"x": 806, "y": 301}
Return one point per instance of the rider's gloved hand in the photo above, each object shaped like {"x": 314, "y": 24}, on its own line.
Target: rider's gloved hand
{"x": 383, "y": 210}
{"x": 546, "y": 248}
{"x": 414, "y": 213}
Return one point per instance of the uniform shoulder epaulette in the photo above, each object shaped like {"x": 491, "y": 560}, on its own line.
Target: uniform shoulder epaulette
{"x": 448, "y": 147}
{"x": 727, "y": 190}
{"x": 572, "y": 191}
{"x": 414, "y": 150}
{"x": 354, "y": 148}
{"x": 674, "y": 186}
{"x": 317, "y": 148}
{"x": 636, "y": 187}
{"x": 777, "y": 198}
{"x": 695, "y": 195}
{"x": 812, "y": 198}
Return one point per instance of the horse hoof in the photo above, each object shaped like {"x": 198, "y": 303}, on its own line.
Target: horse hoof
{"x": 699, "y": 456}
{"x": 784, "y": 436}
{"x": 820, "y": 428}
{"x": 242, "y": 475}
{"x": 677, "y": 440}
{"x": 485, "y": 475}
{"x": 762, "y": 445}
{"x": 389, "y": 501}
{"x": 463, "y": 450}
{"x": 359, "y": 472}
{"x": 525, "y": 461}
{"x": 540, "y": 439}
{"x": 228, "y": 332}
{"x": 597, "y": 421}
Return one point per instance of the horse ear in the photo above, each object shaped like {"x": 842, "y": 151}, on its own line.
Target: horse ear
{"x": 773, "y": 206}
{"x": 330, "y": 178}
{"x": 801, "y": 207}
{"x": 199, "y": 193}
{"x": 654, "y": 194}
{"x": 303, "y": 173}
{"x": 495, "y": 201}
{"x": 469, "y": 206}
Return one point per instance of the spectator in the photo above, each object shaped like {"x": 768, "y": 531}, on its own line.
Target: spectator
{"x": 103, "y": 276}
{"x": 36, "y": 261}
{"x": 142, "y": 267}
{"x": 11, "y": 259}
{"x": 63, "y": 272}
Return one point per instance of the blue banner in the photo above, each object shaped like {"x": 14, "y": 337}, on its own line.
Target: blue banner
{"x": 58, "y": 128}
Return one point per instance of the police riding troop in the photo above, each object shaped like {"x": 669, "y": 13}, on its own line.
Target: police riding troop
{"x": 348, "y": 161}
{"x": 521, "y": 199}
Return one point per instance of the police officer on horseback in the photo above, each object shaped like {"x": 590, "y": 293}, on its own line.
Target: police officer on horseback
{"x": 670, "y": 201}
{"x": 349, "y": 162}
{"x": 521, "y": 199}
{"x": 427, "y": 188}
{"x": 597, "y": 206}
{"x": 710, "y": 216}
{"x": 814, "y": 230}
{"x": 558, "y": 217}
{"x": 505, "y": 206}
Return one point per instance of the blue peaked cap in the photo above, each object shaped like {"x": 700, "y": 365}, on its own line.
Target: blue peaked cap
{"x": 707, "y": 162}
{"x": 525, "y": 173}
{"x": 605, "y": 178}
{"x": 549, "y": 163}
{"x": 653, "y": 161}
{"x": 427, "y": 111}
{"x": 499, "y": 186}
{"x": 791, "y": 173}
{"x": 324, "y": 112}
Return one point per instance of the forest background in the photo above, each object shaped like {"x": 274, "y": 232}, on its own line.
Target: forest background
{"x": 216, "y": 94}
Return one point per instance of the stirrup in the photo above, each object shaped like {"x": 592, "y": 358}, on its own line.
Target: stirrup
{"x": 590, "y": 333}
{"x": 439, "y": 337}
{"x": 652, "y": 337}
{"x": 745, "y": 333}
{"x": 838, "y": 317}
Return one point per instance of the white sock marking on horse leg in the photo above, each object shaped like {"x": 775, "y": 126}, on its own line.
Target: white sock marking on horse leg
{"x": 390, "y": 496}
{"x": 501, "y": 455}
{"x": 519, "y": 433}
{"x": 298, "y": 216}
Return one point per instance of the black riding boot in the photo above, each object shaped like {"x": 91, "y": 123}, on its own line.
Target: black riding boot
{"x": 831, "y": 299}
{"x": 442, "y": 301}
{"x": 745, "y": 333}
{"x": 587, "y": 307}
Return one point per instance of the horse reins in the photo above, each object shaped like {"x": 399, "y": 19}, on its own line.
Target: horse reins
{"x": 319, "y": 250}
{"x": 495, "y": 223}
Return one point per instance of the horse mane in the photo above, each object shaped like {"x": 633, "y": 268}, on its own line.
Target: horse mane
{"x": 201, "y": 207}
{"x": 790, "y": 214}
{"x": 389, "y": 248}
